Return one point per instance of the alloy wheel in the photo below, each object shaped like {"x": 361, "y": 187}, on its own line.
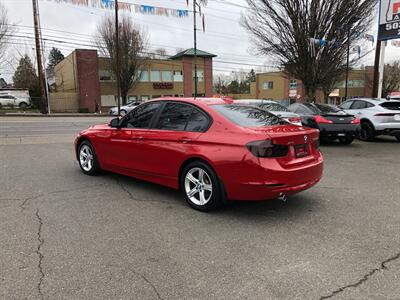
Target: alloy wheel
{"x": 198, "y": 186}
{"x": 86, "y": 158}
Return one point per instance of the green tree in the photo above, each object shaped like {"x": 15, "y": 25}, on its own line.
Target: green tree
{"x": 252, "y": 76}
{"x": 25, "y": 77}
{"x": 55, "y": 57}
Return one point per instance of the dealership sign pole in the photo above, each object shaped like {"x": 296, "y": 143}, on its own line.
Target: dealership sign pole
{"x": 389, "y": 28}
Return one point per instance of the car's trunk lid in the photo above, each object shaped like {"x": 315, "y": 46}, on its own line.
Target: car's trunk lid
{"x": 339, "y": 118}
{"x": 288, "y": 134}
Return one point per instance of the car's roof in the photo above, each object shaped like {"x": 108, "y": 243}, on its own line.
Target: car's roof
{"x": 207, "y": 101}
{"x": 373, "y": 100}
{"x": 255, "y": 101}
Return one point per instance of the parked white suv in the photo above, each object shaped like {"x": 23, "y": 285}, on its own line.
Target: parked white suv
{"x": 13, "y": 101}
{"x": 378, "y": 116}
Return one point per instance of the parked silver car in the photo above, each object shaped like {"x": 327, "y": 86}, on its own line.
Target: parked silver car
{"x": 7, "y": 100}
{"x": 378, "y": 116}
{"x": 275, "y": 108}
{"x": 124, "y": 109}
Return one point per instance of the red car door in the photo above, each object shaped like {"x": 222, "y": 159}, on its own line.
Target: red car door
{"x": 163, "y": 148}
{"x": 124, "y": 144}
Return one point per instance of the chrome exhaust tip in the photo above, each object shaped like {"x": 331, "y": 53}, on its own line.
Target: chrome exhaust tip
{"x": 282, "y": 197}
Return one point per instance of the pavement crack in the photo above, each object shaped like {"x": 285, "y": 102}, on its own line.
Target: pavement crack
{"x": 25, "y": 201}
{"x": 365, "y": 278}
{"x": 132, "y": 197}
{"x": 22, "y": 206}
{"x": 40, "y": 254}
{"x": 150, "y": 283}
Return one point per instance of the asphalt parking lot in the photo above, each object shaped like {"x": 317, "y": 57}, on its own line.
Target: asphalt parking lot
{"x": 65, "y": 235}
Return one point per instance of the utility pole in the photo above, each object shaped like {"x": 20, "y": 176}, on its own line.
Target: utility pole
{"x": 381, "y": 69}
{"x": 376, "y": 70}
{"x": 44, "y": 103}
{"x": 348, "y": 62}
{"x": 117, "y": 57}
{"x": 195, "y": 47}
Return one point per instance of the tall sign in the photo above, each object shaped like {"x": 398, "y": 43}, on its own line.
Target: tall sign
{"x": 389, "y": 20}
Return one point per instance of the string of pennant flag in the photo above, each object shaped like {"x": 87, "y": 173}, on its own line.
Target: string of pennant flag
{"x": 314, "y": 43}
{"x": 129, "y": 7}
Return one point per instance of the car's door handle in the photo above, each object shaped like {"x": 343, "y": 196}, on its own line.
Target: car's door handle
{"x": 139, "y": 138}
{"x": 185, "y": 140}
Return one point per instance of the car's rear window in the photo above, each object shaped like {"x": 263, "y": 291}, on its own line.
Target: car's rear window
{"x": 247, "y": 116}
{"x": 392, "y": 105}
{"x": 327, "y": 108}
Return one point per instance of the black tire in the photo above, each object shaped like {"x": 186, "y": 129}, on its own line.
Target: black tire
{"x": 214, "y": 199}
{"x": 23, "y": 105}
{"x": 94, "y": 166}
{"x": 346, "y": 140}
{"x": 367, "y": 132}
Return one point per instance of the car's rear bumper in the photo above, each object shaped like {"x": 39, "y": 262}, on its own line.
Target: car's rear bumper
{"x": 388, "y": 127}
{"x": 338, "y": 130}
{"x": 272, "y": 181}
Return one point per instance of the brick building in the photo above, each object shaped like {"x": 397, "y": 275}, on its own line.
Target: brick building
{"x": 87, "y": 78}
{"x": 280, "y": 86}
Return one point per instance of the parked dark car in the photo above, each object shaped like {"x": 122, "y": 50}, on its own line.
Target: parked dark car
{"x": 333, "y": 123}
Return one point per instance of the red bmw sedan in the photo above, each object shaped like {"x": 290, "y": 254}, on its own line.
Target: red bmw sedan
{"x": 212, "y": 150}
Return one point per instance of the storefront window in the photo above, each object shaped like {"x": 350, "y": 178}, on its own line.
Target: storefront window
{"x": 166, "y": 76}
{"x": 269, "y": 85}
{"x": 178, "y": 76}
{"x": 144, "y": 76}
{"x": 155, "y": 76}
{"x": 105, "y": 75}
{"x": 200, "y": 75}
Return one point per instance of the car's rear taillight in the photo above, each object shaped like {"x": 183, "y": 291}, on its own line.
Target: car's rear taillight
{"x": 322, "y": 120}
{"x": 267, "y": 149}
{"x": 294, "y": 120}
{"x": 356, "y": 121}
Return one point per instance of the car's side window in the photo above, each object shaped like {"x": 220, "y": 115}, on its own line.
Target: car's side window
{"x": 142, "y": 116}
{"x": 359, "y": 105}
{"x": 302, "y": 110}
{"x": 369, "y": 104}
{"x": 293, "y": 107}
{"x": 198, "y": 121}
{"x": 346, "y": 105}
{"x": 182, "y": 117}
{"x": 174, "y": 116}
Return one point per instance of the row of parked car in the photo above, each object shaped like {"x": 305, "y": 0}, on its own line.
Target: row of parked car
{"x": 357, "y": 118}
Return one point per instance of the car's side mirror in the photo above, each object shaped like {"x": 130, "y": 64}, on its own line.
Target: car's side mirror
{"x": 115, "y": 123}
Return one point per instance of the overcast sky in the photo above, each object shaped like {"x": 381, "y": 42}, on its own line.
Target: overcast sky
{"x": 76, "y": 24}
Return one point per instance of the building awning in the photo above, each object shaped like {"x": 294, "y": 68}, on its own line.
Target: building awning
{"x": 190, "y": 52}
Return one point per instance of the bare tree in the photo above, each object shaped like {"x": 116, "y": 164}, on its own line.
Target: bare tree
{"x": 5, "y": 30}
{"x": 132, "y": 50}
{"x": 391, "y": 78}
{"x": 283, "y": 29}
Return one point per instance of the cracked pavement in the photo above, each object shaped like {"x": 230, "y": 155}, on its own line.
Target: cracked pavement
{"x": 65, "y": 235}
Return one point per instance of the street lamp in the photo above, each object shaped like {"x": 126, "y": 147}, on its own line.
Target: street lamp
{"x": 351, "y": 21}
